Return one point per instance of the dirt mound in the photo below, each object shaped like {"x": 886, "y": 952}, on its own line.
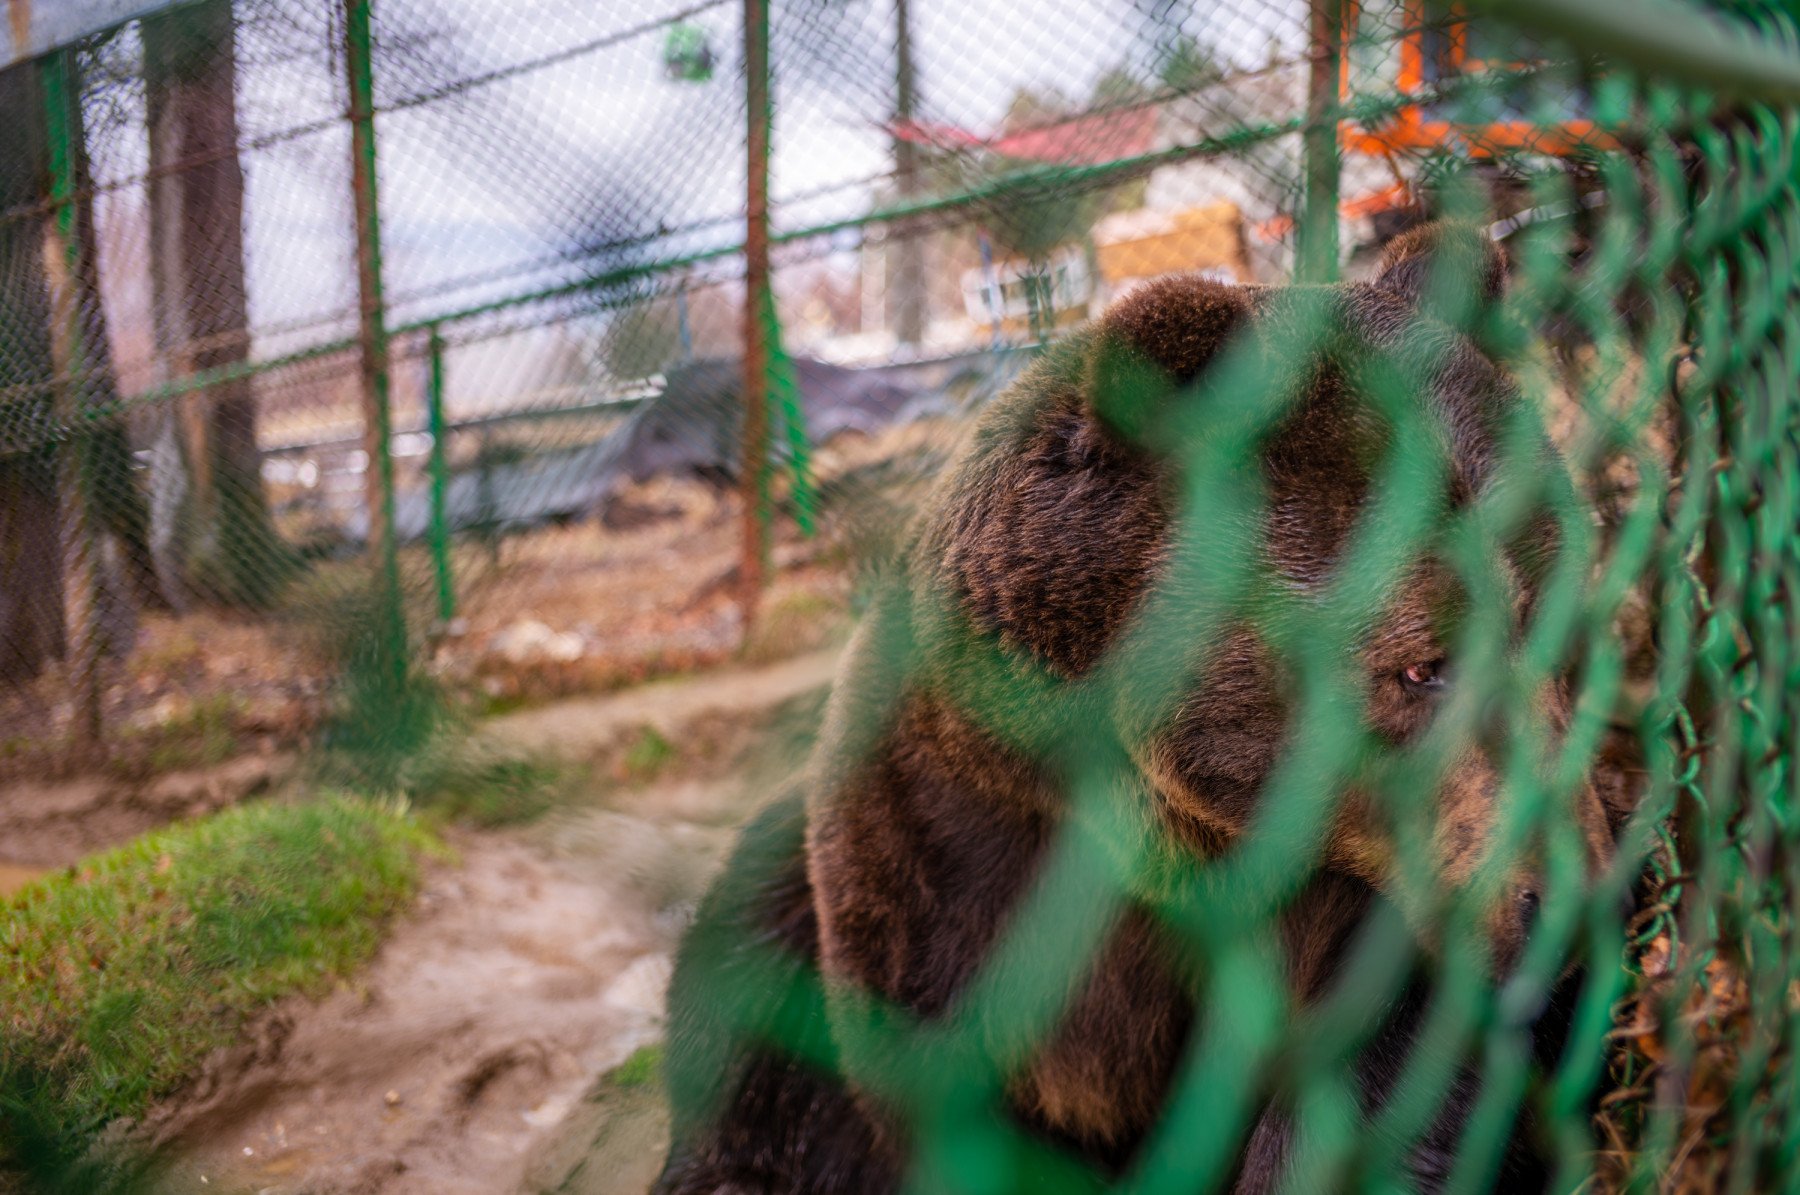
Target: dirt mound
{"x": 46, "y": 824}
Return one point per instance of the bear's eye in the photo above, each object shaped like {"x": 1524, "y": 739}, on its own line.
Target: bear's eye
{"x": 1424, "y": 678}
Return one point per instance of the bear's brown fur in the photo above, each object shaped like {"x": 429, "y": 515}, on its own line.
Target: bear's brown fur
{"x": 931, "y": 803}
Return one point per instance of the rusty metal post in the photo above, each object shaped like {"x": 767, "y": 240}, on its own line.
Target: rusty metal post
{"x": 754, "y": 466}
{"x": 62, "y": 269}
{"x": 905, "y": 239}
{"x": 1316, "y": 242}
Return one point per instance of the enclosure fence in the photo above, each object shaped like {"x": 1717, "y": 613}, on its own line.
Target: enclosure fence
{"x": 312, "y": 307}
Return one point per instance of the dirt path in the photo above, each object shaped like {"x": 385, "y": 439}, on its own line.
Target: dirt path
{"x": 45, "y": 825}
{"x": 574, "y": 728}
{"x": 464, "y": 1058}
{"x": 533, "y": 965}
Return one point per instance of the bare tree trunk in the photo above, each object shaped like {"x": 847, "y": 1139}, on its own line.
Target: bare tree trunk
{"x": 115, "y": 499}
{"x": 31, "y": 620}
{"x": 102, "y": 511}
{"x": 225, "y": 548}
{"x": 753, "y": 475}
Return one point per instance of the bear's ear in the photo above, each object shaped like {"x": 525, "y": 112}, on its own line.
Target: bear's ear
{"x": 1452, "y": 249}
{"x": 1157, "y": 340}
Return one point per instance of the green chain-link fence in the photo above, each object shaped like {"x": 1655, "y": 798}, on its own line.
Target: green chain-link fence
{"x": 355, "y": 314}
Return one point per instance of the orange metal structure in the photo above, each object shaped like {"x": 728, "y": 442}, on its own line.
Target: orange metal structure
{"x": 1434, "y": 50}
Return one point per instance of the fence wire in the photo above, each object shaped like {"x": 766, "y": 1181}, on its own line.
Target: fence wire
{"x": 335, "y": 392}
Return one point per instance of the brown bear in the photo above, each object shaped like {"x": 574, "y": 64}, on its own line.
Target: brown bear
{"x": 876, "y": 893}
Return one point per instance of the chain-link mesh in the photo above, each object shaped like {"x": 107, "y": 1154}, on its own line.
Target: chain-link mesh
{"x": 209, "y": 233}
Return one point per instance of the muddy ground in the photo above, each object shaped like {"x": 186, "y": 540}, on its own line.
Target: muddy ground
{"x": 524, "y": 973}
{"x": 470, "y": 1055}
{"x": 49, "y": 824}
{"x": 541, "y": 613}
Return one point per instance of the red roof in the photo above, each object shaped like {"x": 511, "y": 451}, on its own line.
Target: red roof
{"x": 1079, "y": 141}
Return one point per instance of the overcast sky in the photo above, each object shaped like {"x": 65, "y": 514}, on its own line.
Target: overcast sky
{"x": 489, "y": 192}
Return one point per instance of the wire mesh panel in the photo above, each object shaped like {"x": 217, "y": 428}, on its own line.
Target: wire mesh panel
{"x": 1316, "y": 482}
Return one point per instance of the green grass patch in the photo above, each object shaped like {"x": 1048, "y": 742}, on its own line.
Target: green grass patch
{"x": 648, "y": 754}
{"x": 493, "y": 705}
{"x": 118, "y": 977}
{"x": 642, "y": 1068}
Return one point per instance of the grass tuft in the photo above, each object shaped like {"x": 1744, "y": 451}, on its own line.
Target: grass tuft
{"x": 482, "y": 788}
{"x": 642, "y": 1068}
{"x": 648, "y": 754}
{"x": 795, "y": 622}
{"x": 118, "y": 977}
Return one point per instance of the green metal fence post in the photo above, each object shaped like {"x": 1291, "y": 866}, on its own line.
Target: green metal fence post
{"x": 754, "y": 467}
{"x": 784, "y": 397}
{"x": 487, "y": 503}
{"x": 1316, "y": 238}
{"x": 372, "y": 331}
{"x": 440, "y": 475}
{"x": 63, "y": 266}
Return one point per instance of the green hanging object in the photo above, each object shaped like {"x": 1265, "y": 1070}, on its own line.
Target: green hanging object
{"x": 784, "y": 399}
{"x": 687, "y": 55}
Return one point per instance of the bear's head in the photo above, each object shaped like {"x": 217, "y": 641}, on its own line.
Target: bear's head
{"x": 1060, "y": 531}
